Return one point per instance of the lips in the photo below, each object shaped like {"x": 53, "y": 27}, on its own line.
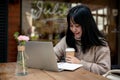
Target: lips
{"x": 76, "y": 33}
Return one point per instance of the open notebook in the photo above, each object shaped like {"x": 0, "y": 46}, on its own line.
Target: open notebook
{"x": 41, "y": 55}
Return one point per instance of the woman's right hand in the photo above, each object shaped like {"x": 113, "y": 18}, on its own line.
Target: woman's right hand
{"x": 72, "y": 59}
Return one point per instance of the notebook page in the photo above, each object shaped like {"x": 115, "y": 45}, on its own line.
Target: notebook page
{"x": 68, "y": 66}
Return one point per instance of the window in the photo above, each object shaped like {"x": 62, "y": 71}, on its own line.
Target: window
{"x": 100, "y": 16}
{"x": 45, "y": 20}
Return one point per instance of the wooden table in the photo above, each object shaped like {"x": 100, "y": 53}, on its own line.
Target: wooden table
{"x": 7, "y": 72}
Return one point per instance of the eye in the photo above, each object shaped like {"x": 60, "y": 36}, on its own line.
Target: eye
{"x": 74, "y": 25}
{"x": 77, "y": 25}
{"x": 71, "y": 25}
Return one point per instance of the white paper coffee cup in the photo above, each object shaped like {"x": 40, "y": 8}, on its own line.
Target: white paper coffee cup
{"x": 70, "y": 52}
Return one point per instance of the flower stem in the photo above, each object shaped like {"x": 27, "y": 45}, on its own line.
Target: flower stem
{"x": 23, "y": 61}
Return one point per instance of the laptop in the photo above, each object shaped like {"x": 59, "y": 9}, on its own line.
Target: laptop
{"x": 41, "y": 55}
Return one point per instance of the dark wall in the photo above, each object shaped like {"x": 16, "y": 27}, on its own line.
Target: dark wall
{"x": 9, "y": 23}
{"x": 14, "y": 26}
{"x": 3, "y": 30}
{"x": 118, "y": 28}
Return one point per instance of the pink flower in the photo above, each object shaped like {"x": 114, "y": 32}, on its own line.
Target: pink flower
{"x": 23, "y": 38}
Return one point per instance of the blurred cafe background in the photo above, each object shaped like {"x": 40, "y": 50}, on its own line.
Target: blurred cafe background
{"x": 45, "y": 20}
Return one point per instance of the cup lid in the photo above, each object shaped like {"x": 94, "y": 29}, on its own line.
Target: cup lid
{"x": 69, "y": 49}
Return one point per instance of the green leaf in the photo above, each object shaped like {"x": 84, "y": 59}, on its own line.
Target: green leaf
{"x": 16, "y": 34}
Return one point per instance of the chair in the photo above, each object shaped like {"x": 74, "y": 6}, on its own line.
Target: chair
{"x": 114, "y": 73}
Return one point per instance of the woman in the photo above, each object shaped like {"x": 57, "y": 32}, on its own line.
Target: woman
{"x": 82, "y": 34}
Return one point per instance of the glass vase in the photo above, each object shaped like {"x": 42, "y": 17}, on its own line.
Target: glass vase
{"x": 21, "y": 68}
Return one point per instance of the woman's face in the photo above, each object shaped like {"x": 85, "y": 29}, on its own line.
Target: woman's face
{"x": 76, "y": 29}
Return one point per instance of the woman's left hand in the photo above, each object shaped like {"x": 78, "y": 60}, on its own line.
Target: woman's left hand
{"x": 72, "y": 59}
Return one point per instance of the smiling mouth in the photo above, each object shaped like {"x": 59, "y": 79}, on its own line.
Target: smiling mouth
{"x": 76, "y": 33}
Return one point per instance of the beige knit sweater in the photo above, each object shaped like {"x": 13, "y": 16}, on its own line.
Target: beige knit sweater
{"x": 96, "y": 60}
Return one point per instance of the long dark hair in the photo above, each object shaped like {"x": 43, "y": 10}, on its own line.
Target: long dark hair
{"x": 91, "y": 36}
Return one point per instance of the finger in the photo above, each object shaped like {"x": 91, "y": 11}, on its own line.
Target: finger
{"x": 69, "y": 61}
{"x": 69, "y": 56}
